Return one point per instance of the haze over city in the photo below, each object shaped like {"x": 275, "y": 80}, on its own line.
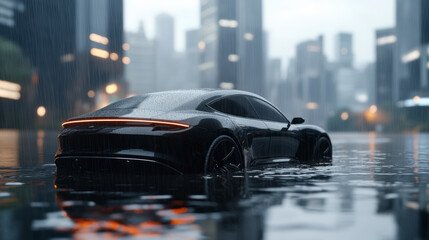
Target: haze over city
{"x": 287, "y": 22}
{"x": 214, "y": 119}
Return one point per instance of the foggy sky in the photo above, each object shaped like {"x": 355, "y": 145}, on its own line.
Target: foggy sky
{"x": 288, "y": 22}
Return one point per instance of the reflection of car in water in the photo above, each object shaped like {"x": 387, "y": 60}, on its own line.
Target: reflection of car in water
{"x": 188, "y": 131}
{"x": 174, "y": 206}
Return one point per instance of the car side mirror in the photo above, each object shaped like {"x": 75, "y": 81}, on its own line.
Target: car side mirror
{"x": 298, "y": 120}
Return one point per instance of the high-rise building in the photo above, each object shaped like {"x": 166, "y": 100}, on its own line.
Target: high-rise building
{"x": 192, "y": 59}
{"x": 344, "y": 50}
{"x": 231, "y": 45}
{"x": 310, "y": 66}
{"x": 352, "y": 88}
{"x": 411, "y": 79}
{"x": 140, "y": 73}
{"x": 385, "y": 47}
{"x": 75, "y": 49}
{"x": 273, "y": 77}
{"x": 165, "y": 33}
{"x": 165, "y": 37}
{"x": 310, "y": 79}
{"x": 9, "y": 10}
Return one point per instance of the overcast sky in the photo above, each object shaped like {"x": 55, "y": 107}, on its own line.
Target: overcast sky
{"x": 288, "y": 22}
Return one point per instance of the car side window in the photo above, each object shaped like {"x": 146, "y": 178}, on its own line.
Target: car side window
{"x": 266, "y": 111}
{"x": 235, "y": 105}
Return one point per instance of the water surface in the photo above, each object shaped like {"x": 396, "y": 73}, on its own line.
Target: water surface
{"x": 375, "y": 188}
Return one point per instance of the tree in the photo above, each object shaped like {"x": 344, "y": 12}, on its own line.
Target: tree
{"x": 14, "y": 66}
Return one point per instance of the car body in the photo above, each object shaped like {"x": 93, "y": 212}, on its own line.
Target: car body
{"x": 187, "y": 131}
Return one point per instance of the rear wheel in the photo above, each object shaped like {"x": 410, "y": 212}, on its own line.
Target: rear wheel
{"x": 223, "y": 156}
{"x": 322, "y": 150}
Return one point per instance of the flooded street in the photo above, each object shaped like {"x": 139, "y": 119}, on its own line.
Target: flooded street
{"x": 375, "y": 188}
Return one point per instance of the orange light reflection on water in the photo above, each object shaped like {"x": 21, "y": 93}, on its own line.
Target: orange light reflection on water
{"x": 9, "y": 148}
{"x": 372, "y": 137}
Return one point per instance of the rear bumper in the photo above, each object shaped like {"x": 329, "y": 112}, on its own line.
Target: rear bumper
{"x": 113, "y": 164}
{"x": 123, "y": 147}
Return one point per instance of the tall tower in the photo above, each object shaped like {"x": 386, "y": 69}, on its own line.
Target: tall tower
{"x": 411, "y": 55}
{"x": 140, "y": 73}
{"x": 165, "y": 37}
{"x": 231, "y": 45}
{"x": 344, "y": 50}
{"x": 385, "y": 47}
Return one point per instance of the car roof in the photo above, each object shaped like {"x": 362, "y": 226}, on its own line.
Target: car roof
{"x": 173, "y": 100}
{"x": 152, "y": 104}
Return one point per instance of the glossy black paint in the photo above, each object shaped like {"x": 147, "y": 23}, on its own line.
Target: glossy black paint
{"x": 142, "y": 148}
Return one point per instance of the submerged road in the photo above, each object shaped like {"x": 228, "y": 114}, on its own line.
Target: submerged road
{"x": 375, "y": 188}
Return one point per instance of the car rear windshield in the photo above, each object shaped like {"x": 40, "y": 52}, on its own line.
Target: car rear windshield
{"x": 167, "y": 101}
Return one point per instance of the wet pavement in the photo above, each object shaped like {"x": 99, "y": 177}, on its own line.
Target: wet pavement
{"x": 375, "y": 188}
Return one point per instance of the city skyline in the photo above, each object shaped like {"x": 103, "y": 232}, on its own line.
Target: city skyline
{"x": 282, "y": 15}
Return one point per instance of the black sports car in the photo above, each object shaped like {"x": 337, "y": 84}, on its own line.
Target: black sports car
{"x": 187, "y": 131}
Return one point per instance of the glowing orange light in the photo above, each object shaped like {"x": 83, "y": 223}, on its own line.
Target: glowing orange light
{"x": 344, "y": 116}
{"x": 150, "y": 224}
{"x": 416, "y": 99}
{"x": 371, "y": 115}
{"x": 9, "y": 90}
{"x": 96, "y": 52}
{"x": 98, "y": 38}
{"x": 9, "y": 94}
{"x": 126, "y": 60}
{"x": 311, "y": 105}
{"x": 373, "y": 109}
{"x": 179, "y": 210}
{"x": 112, "y": 88}
{"x": 41, "y": 111}
{"x": 11, "y": 86}
{"x": 125, "y": 120}
{"x": 91, "y": 94}
{"x": 183, "y": 220}
{"x": 114, "y": 56}
{"x": 126, "y": 46}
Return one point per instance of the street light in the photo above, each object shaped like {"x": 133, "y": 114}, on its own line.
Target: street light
{"x": 373, "y": 109}
{"x": 112, "y": 88}
{"x": 126, "y": 60}
{"x": 312, "y": 105}
{"x": 91, "y": 94}
{"x": 41, "y": 111}
{"x": 344, "y": 116}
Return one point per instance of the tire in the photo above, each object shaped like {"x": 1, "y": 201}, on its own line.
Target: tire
{"x": 322, "y": 150}
{"x": 223, "y": 156}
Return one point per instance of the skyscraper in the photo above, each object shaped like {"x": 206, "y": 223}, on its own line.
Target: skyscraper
{"x": 310, "y": 81}
{"x": 164, "y": 33}
{"x": 310, "y": 66}
{"x": 140, "y": 73}
{"x": 385, "y": 47}
{"x": 411, "y": 55}
{"x": 231, "y": 45}
{"x": 165, "y": 37}
{"x": 273, "y": 78}
{"x": 74, "y": 47}
{"x": 192, "y": 59}
{"x": 344, "y": 50}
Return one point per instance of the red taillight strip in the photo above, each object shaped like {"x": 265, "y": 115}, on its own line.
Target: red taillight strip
{"x": 124, "y": 120}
